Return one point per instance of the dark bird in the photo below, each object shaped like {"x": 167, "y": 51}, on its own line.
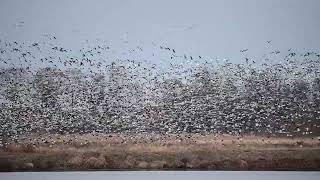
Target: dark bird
{"x": 307, "y": 54}
{"x": 244, "y": 50}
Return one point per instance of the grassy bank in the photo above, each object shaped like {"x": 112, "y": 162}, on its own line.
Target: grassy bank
{"x": 158, "y": 152}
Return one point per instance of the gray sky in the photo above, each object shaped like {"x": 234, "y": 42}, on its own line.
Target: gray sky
{"x": 217, "y": 29}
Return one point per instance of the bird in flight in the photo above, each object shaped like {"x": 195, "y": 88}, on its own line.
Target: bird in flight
{"x": 244, "y": 50}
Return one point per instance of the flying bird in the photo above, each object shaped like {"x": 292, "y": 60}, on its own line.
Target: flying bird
{"x": 244, "y": 50}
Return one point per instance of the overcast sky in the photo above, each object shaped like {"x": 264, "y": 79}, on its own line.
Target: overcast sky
{"x": 200, "y": 27}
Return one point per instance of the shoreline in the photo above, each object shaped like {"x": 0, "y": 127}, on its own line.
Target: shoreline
{"x": 155, "y": 152}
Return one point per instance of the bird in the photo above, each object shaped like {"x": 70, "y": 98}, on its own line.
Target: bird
{"x": 244, "y": 50}
{"x": 70, "y": 91}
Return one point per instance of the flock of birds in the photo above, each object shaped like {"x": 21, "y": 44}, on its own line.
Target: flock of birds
{"x": 46, "y": 88}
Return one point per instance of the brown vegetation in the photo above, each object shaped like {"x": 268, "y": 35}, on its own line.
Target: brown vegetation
{"x": 156, "y": 152}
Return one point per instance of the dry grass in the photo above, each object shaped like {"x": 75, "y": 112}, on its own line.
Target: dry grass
{"x": 210, "y": 152}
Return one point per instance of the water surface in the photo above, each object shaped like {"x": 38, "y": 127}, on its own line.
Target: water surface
{"x": 157, "y": 175}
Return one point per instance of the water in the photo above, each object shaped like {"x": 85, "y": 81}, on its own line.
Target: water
{"x": 167, "y": 175}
